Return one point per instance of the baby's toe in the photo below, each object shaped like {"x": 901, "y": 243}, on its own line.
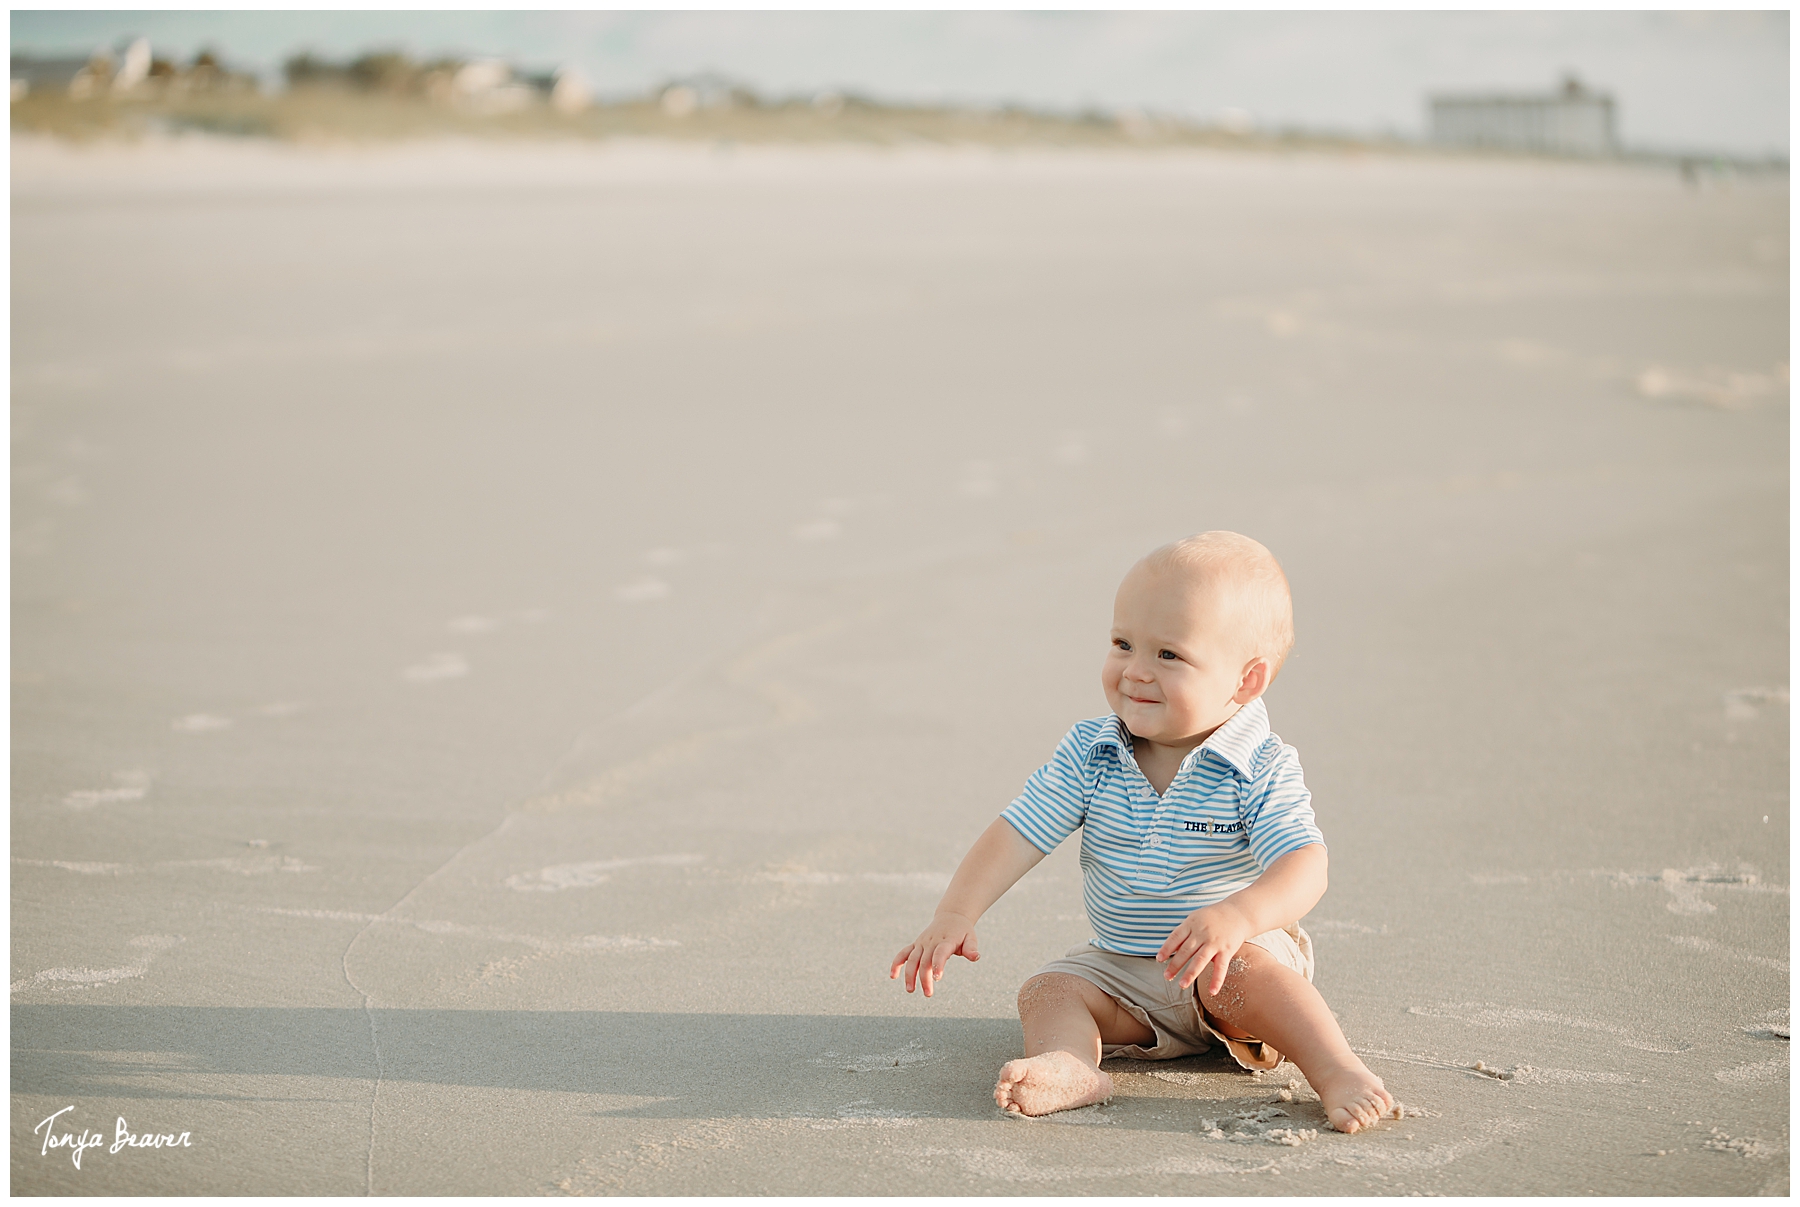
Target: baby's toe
{"x": 1010, "y": 1076}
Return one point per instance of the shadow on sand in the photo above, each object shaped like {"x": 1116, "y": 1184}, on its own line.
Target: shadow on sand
{"x": 689, "y": 1065}
{"x": 686, "y": 1065}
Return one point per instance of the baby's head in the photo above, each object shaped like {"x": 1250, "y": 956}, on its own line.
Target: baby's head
{"x": 1200, "y": 629}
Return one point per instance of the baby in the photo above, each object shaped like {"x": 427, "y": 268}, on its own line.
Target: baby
{"x": 1198, "y": 851}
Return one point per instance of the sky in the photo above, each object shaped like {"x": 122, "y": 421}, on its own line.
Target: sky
{"x": 1701, "y": 81}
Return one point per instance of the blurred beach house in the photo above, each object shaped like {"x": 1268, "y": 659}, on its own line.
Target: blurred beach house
{"x": 128, "y": 71}
{"x": 132, "y": 71}
{"x": 1573, "y": 120}
{"x": 482, "y": 85}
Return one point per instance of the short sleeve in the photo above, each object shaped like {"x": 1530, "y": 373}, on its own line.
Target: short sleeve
{"x": 1278, "y": 816}
{"x": 1052, "y": 806}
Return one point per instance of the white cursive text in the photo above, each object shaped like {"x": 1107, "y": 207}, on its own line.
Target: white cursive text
{"x": 79, "y": 1142}
{"x": 123, "y": 1138}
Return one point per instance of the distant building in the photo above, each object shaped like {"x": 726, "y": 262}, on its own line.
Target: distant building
{"x": 132, "y": 72}
{"x": 708, "y": 90}
{"x": 570, "y": 91}
{"x": 44, "y": 75}
{"x": 1570, "y": 121}
{"x": 487, "y": 86}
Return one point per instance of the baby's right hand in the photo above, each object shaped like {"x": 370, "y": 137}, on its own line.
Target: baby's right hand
{"x": 924, "y": 958}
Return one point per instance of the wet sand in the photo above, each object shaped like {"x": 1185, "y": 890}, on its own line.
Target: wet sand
{"x": 507, "y": 642}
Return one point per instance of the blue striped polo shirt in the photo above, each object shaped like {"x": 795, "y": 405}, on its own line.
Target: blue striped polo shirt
{"x": 1237, "y": 804}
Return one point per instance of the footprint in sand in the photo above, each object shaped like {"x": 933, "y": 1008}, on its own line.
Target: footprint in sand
{"x": 1685, "y": 885}
{"x": 436, "y": 668}
{"x": 490, "y": 934}
{"x": 1490, "y": 1014}
{"x": 864, "y": 1113}
{"x": 1752, "y": 1147}
{"x": 280, "y": 708}
{"x": 930, "y": 882}
{"x": 914, "y": 1053}
{"x": 1775, "y": 1026}
{"x": 1755, "y": 1071}
{"x": 148, "y": 947}
{"x": 586, "y": 875}
{"x": 132, "y": 785}
{"x": 243, "y": 865}
{"x": 199, "y": 722}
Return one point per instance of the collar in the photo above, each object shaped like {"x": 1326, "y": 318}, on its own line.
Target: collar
{"x": 1236, "y": 741}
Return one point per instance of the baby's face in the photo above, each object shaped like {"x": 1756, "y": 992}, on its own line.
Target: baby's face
{"x": 1176, "y": 665}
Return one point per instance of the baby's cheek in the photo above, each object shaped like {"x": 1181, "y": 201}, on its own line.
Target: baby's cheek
{"x": 1180, "y": 703}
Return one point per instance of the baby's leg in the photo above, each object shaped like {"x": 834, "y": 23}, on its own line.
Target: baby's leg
{"x": 1066, "y": 1020}
{"x": 1264, "y": 998}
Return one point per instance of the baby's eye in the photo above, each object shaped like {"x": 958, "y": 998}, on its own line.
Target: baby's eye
{"x": 1121, "y": 643}
{"x": 1169, "y": 654}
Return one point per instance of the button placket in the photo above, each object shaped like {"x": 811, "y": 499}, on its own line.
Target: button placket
{"x": 1155, "y": 874}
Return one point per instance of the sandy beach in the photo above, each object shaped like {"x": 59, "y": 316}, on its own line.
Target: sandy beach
{"x": 509, "y": 640}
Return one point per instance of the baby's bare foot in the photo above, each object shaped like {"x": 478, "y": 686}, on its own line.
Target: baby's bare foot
{"x": 1353, "y": 1097}
{"x": 1053, "y": 1081}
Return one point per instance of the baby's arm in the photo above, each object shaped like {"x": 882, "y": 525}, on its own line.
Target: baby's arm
{"x": 1286, "y": 890}
{"x": 993, "y": 865}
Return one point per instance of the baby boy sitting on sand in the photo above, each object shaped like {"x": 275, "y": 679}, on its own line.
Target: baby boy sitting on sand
{"x": 1198, "y": 851}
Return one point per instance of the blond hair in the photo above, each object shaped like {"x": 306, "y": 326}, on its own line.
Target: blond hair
{"x": 1252, "y": 583}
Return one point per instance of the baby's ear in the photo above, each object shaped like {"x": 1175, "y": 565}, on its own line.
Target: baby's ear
{"x": 1255, "y": 681}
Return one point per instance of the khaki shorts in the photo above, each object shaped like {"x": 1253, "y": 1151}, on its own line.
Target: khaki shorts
{"x": 1181, "y": 1024}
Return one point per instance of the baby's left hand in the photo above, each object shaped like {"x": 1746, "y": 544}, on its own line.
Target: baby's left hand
{"x": 1208, "y": 936}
